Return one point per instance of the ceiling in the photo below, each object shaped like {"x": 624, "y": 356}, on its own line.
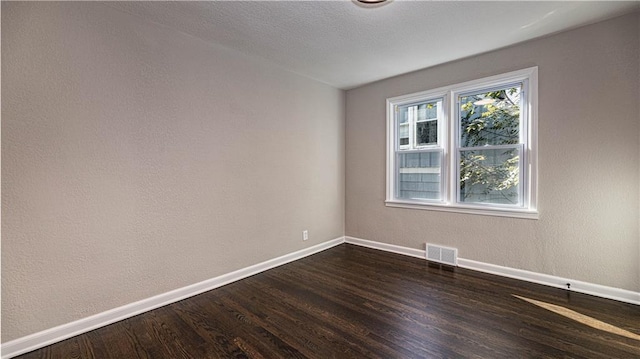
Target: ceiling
{"x": 345, "y": 44}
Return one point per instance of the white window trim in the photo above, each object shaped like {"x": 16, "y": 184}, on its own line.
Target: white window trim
{"x": 448, "y": 141}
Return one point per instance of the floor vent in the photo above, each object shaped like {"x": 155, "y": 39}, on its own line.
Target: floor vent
{"x": 440, "y": 254}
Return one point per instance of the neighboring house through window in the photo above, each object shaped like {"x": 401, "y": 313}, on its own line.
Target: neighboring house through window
{"x": 468, "y": 147}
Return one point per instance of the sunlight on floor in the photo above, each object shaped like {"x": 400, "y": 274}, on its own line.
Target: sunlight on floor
{"x": 581, "y": 318}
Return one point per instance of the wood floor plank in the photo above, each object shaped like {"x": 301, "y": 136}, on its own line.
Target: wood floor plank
{"x": 207, "y": 325}
{"x": 318, "y": 329}
{"x": 354, "y": 302}
{"x": 273, "y": 316}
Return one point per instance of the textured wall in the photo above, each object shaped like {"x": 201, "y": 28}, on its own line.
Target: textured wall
{"x": 137, "y": 160}
{"x": 589, "y": 127}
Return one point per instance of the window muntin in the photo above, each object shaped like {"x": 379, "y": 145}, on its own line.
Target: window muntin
{"x": 484, "y": 134}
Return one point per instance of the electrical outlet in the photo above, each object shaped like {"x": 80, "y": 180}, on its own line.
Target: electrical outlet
{"x": 305, "y": 235}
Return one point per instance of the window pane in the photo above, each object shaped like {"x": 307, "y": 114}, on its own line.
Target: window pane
{"x": 422, "y": 112}
{"x": 427, "y": 133}
{"x": 403, "y": 116}
{"x": 490, "y": 176}
{"x": 404, "y": 134}
{"x": 432, "y": 110}
{"x": 427, "y": 111}
{"x": 419, "y": 175}
{"x": 490, "y": 117}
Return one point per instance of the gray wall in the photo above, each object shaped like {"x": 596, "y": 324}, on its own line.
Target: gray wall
{"x": 589, "y": 134}
{"x": 137, "y": 160}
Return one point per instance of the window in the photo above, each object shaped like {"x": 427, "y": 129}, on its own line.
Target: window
{"x": 468, "y": 147}
{"x": 419, "y": 155}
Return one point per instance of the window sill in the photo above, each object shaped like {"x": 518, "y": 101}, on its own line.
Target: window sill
{"x": 498, "y": 212}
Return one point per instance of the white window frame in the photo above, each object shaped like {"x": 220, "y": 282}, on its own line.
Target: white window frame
{"x": 448, "y": 140}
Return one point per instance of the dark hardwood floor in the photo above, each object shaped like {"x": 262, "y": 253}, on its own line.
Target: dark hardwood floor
{"x": 354, "y": 302}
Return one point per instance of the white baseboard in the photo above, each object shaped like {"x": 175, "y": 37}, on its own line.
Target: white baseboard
{"x": 618, "y": 294}
{"x": 386, "y": 247}
{"x": 46, "y": 337}
{"x": 598, "y": 290}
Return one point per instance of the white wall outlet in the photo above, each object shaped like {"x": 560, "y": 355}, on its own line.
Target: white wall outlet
{"x": 305, "y": 235}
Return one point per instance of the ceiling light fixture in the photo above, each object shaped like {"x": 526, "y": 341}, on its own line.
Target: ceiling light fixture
{"x": 368, "y": 4}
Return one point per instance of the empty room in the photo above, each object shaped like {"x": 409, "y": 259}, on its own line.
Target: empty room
{"x": 320, "y": 179}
